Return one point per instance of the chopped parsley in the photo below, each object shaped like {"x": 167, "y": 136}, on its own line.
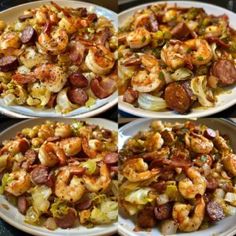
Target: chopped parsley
{"x": 161, "y": 75}
{"x": 203, "y": 158}
{"x": 200, "y": 58}
{"x": 143, "y": 39}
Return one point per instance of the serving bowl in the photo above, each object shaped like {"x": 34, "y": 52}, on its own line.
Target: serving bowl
{"x": 224, "y": 100}
{"x": 225, "y": 227}
{"x": 10, "y": 213}
{"x": 101, "y": 105}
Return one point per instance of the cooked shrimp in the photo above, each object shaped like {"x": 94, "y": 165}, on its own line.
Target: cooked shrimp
{"x": 155, "y": 142}
{"x": 198, "y": 143}
{"x": 100, "y": 60}
{"x": 181, "y": 213}
{"x": 174, "y": 54}
{"x": 55, "y": 42}
{"x": 67, "y": 188}
{"x": 50, "y": 154}
{"x": 229, "y": 162}
{"x": 202, "y": 53}
{"x": 69, "y": 24}
{"x": 71, "y": 146}
{"x": 52, "y": 76}
{"x": 94, "y": 183}
{"x": 10, "y": 40}
{"x": 43, "y": 15}
{"x": 137, "y": 170}
{"x": 221, "y": 144}
{"x": 63, "y": 130}
{"x": 146, "y": 20}
{"x": 91, "y": 147}
{"x": 138, "y": 38}
{"x": 147, "y": 80}
{"x": 193, "y": 185}
{"x": 19, "y": 182}
{"x": 15, "y": 146}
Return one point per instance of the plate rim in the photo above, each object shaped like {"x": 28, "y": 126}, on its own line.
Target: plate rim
{"x": 142, "y": 112}
{"x": 89, "y": 113}
{"x": 27, "y": 229}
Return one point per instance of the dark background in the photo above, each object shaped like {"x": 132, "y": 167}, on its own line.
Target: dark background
{"x": 229, "y": 4}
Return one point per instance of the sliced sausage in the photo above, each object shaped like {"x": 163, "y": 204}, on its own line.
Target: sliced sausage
{"x": 39, "y": 175}
{"x": 219, "y": 42}
{"x": 78, "y": 80}
{"x": 68, "y": 220}
{"x": 177, "y": 98}
{"x": 209, "y": 133}
{"x": 52, "y": 101}
{"x": 31, "y": 157}
{"x": 82, "y": 11}
{"x": 225, "y": 71}
{"x": 22, "y": 204}
{"x": 8, "y": 63}
{"x": 103, "y": 88}
{"x": 28, "y": 35}
{"x": 103, "y": 36}
{"x": 159, "y": 186}
{"x": 84, "y": 205}
{"x": 163, "y": 212}
{"x": 92, "y": 17}
{"x": 77, "y": 96}
{"x": 23, "y": 79}
{"x": 180, "y": 31}
{"x": 25, "y": 17}
{"x": 212, "y": 183}
{"x": 215, "y": 211}
{"x": 111, "y": 158}
{"x": 146, "y": 218}
{"x": 76, "y": 52}
{"x": 130, "y": 96}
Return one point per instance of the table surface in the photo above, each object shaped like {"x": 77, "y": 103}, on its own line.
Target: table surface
{"x": 229, "y": 4}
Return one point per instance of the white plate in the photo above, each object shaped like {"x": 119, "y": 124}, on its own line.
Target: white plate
{"x": 14, "y": 218}
{"x": 225, "y": 227}
{"x": 225, "y": 100}
{"x": 10, "y": 15}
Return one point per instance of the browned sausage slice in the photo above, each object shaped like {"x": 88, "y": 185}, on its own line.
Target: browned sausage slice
{"x": 40, "y": 175}
{"x": 146, "y": 218}
{"x": 130, "y": 96}
{"x": 8, "y": 63}
{"x": 103, "y": 88}
{"x": 163, "y": 212}
{"x": 209, "y": 133}
{"x": 180, "y": 31}
{"x": 25, "y": 17}
{"x": 77, "y": 96}
{"x": 159, "y": 186}
{"x": 23, "y": 79}
{"x": 78, "y": 80}
{"x": 215, "y": 211}
{"x": 225, "y": 71}
{"x": 85, "y": 204}
{"x": 68, "y": 220}
{"x": 111, "y": 158}
{"x": 28, "y": 35}
{"x": 177, "y": 98}
{"x": 22, "y": 204}
{"x": 212, "y": 183}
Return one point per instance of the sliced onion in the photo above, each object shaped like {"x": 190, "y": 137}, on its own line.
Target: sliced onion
{"x": 182, "y": 74}
{"x": 219, "y": 193}
{"x": 9, "y": 99}
{"x": 152, "y": 103}
{"x": 162, "y": 199}
{"x": 169, "y": 227}
{"x": 231, "y": 198}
